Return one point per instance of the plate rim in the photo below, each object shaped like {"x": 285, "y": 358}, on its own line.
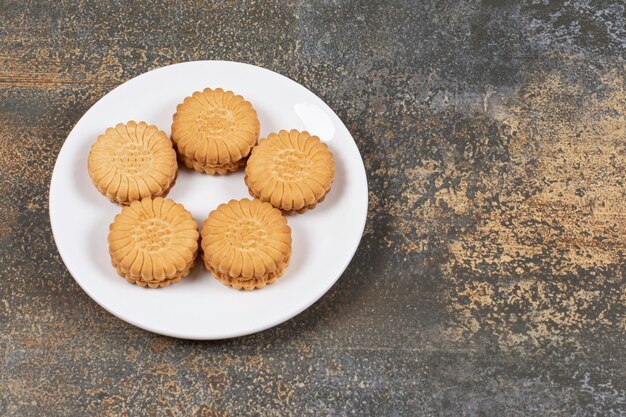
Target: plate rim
{"x": 224, "y": 335}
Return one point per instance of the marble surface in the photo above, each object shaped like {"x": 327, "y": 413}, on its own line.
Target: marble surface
{"x": 491, "y": 279}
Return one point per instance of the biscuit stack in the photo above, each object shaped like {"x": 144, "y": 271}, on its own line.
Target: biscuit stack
{"x": 132, "y": 161}
{"x": 153, "y": 242}
{"x": 291, "y": 170}
{"x": 213, "y": 131}
{"x": 246, "y": 244}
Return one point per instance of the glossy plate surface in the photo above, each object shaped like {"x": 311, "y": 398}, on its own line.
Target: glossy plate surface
{"x": 199, "y": 306}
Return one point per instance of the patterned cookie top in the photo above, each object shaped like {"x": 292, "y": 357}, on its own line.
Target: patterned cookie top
{"x": 246, "y": 239}
{"x": 291, "y": 170}
{"x": 153, "y": 239}
{"x": 132, "y": 161}
{"x": 215, "y": 127}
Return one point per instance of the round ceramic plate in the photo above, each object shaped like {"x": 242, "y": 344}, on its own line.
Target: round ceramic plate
{"x": 199, "y": 306}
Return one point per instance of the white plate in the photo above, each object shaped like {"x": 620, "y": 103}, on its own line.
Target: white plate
{"x": 199, "y": 306}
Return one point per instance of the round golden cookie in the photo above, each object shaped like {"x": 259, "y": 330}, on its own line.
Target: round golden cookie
{"x": 214, "y": 130}
{"x": 246, "y": 243}
{"x": 153, "y": 242}
{"x": 291, "y": 170}
{"x": 132, "y": 161}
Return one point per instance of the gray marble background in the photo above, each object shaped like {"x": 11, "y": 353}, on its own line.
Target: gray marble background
{"x": 491, "y": 277}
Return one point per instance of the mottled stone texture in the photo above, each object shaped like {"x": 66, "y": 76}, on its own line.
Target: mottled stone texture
{"x": 491, "y": 277}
